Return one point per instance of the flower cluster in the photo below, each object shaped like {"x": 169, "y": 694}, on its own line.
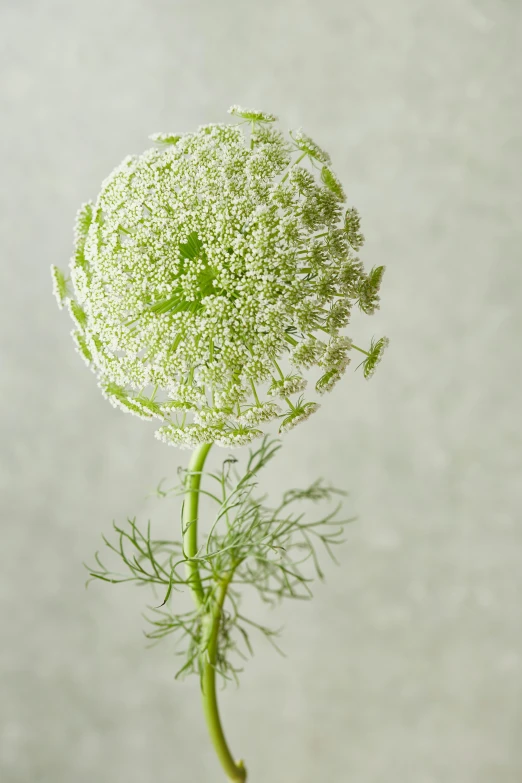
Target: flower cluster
{"x": 211, "y": 273}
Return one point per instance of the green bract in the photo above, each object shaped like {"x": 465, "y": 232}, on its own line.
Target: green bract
{"x": 211, "y": 274}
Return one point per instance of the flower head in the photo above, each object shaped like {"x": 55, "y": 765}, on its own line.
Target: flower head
{"x": 374, "y": 355}
{"x": 300, "y": 412}
{"x": 252, "y": 114}
{"x": 210, "y": 273}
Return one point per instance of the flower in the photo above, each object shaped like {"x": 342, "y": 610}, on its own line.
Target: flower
{"x": 210, "y": 273}
{"x": 59, "y": 286}
{"x": 301, "y": 412}
{"x": 286, "y": 386}
{"x": 258, "y": 414}
{"x": 374, "y": 355}
{"x": 309, "y": 147}
{"x": 252, "y": 114}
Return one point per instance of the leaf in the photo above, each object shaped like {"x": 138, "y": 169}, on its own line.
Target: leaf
{"x": 272, "y": 549}
{"x": 168, "y": 593}
{"x": 192, "y": 248}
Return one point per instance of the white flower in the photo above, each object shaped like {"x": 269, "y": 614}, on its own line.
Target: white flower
{"x": 119, "y": 398}
{"x": 300, "y": 413}
{"x": 251, "y": 114}
{"x": 368, "y": 290}
{"x": 240, "y": 436}
{"x": 59, "y": 286}
{"x": 81, "y": 346}
{"x": 308, "y": 352}
{"x": 202, "y": 263}
{"x": 185, "y": 437}
{"x": 335, "y": 356}
{"x": 164, "y": 138}
{"x": 375, "y": 353}
{"x": 308, "y": 145}
{"x": 285, "y": 387}
{"x": 258, "y": 414}
{"x": 327, "y": 381}
{"x": 211, "y": 417}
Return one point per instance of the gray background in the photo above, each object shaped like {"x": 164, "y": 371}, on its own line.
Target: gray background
{"x": 407, "y": 666}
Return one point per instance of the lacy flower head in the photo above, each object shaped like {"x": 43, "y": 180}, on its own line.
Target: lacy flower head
{"x": 212, "y": 279}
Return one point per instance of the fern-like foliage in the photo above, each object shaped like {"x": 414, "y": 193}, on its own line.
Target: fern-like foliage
{"x": 274, "y": 549}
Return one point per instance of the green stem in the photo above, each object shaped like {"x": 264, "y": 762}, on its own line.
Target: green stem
{"x": 289, "y": 403}
{"x": 255, "y": 392}
{"x": 190, "y": 520}
{"x": 299, "y": 159}
{"x": 279, "y": 370}
{"x": 211, "y": 620}
{"x": 360, "y": 349}
{"x": 235, "y": 770}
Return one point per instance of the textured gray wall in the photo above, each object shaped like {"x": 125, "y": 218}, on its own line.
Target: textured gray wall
{"x": 407, "y": 666}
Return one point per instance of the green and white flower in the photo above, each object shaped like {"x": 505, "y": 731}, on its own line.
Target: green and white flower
{"x": 300, "y": 412}
{"x": 212, "y": 271}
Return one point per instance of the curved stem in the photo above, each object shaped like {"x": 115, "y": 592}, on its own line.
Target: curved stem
{"x": 211, "y": 620}
{"x": 235, "y": 771}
